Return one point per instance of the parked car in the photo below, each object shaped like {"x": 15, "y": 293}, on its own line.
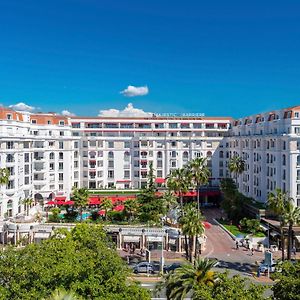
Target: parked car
{"x": 171, "y": 267}
{"x": 143, "y": 267}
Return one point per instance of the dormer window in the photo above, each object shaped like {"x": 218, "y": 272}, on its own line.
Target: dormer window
{"x": 33, "y": 121}
{"x": 61, "y": 123}
{"x": 49, "y": 122}
{"x": 9, "y": 117}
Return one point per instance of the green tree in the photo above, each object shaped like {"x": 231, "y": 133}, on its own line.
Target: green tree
{"x": 287, "y": 281}
{"x": 236, "y": 165}
{"x": 192, "y": 226}
{"x": 131, "y": 208}
{"x": 82, "y": 260}
{"x": 106, "y": 205}
{"x": 233, "y": 201}
{"x": 151, "y": 205}
{"x": 291, "y": 217}
{"x": 225, "y": 288}
{"x": 277, "y": 202}
{"x": 179, "y": 181}
{"x": 54, "y": 217}
{"x": 80, "y": 197}
{"x": 200, "y": 175}
{"x": 27, "y": 204}
{"x": 183, "y": 281}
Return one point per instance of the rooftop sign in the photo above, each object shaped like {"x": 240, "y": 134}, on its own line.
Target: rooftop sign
{"x": 179, "y": 115}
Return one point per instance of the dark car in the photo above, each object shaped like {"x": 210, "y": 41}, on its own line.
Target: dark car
{"x": 171, "y": 267}
{"x": 143, "y": 267}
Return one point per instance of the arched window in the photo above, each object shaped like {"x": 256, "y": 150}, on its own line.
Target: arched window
{"x": 159, "y": 154}
{"x": 110, "y": 154}
{"x": 173, "y": 153}
{"x": 61, "y": 155}
{"x": 51, "y": 156}
{"x": 185, "y": 156}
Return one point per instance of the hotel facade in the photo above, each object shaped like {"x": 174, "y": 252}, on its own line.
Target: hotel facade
{"x": 48, "y": 154}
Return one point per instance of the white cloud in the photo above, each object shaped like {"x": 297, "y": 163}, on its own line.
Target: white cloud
{"x": 22, "y": 107}
{"x": 133, "y": 91}
{"x": 128, "y": 111}
{"x": 67, "y": 113}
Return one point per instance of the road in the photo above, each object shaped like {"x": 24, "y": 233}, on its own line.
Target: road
{"x": 221, "y": 246}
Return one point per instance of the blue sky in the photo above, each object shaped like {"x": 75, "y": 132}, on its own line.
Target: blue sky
{"x": 218, "y": 57}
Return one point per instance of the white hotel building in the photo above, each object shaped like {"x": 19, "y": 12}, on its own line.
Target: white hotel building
{"x": 269, "y": 143}
{"x": 47, "y": 154}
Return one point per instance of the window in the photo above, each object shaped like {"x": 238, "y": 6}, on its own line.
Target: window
{"x": 33, "y": 121}
{"x": 60, "y": 176}
{"x": 26, "y": 157}
{"x": 9, "y": 145}
{"x": 61, "y": 187}
{"x": 9, "y": 117}
{"x": 51, "y": 156}
{"x": 110, "y": 174}
{"x": 60, "y": 166}
{"x": 51, "y": 166}
{"x": 126, "y": 144}
{"x": 110, "y": 163}
{"x": 110, "y": 154}
{"x": 126, "y": 174}
{"x": 298, "y": 160}
{"x": 283, "y": 160}
{"x": 173, "y": 144}
{"x": 26, "y": 180}
{"x": 61, "y": 145}
{"x": 61, "y": 123}
{"x": 159, "y": 173}
{"x": 208, "y": 144}
{"x": 110, "y": 144}
{"x": 127, "y": 156}
{"x": 61, "y": 133}
{"x": 296, "y": 115}
{"x": 159, "y": 155}
{"x": 48, "y": 122}
{"x": 26, "y": 169}
{"x": 61, "y": 155}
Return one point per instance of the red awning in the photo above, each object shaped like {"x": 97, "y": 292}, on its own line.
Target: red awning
{"x": 70, "y": 202}
{"x": 60, "y": 198}
{"x": 61, "y": 202}
{"x": 51, "y": 202}
{"x": 94, "y": 200}
{"x": 159, "y": 180}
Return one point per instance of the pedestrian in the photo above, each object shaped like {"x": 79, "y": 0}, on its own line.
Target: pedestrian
{"x": 252, "y": 251}
{"x": 258, "y": 272}
{"x": 236, "y": 245}
{"x": 294, "y": 250}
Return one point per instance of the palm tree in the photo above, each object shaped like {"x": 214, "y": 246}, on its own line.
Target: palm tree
{"x": 27, "y": 204}
{"x": 170, "y": 202}
{"x": 80, "y": 197}
{"x": 4, "y": 179}
{"x": 61, "y": 294}
{"x": 291, "y": 217}
{"x": 199, "y": 173}
{"x": 236, "y": 165}
{"x": 182, "y": 281}
{"x": 277, "y": 203}
{"x": 192, "y": 226}
{"x": 130, "y": 208}
{"x": 179, "y": 182}
{"x": 106, "y": 205}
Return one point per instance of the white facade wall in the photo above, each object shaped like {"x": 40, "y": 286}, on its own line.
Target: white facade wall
{"x": 270, "y": 145}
